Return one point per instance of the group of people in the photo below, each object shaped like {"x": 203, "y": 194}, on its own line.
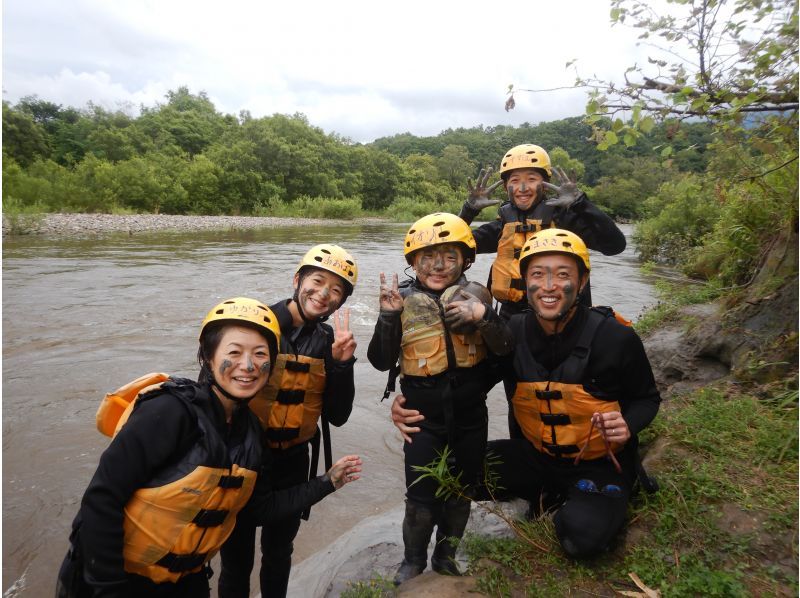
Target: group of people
{"x": 194, "y": 468}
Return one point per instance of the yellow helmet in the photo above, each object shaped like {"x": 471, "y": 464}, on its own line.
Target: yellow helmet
{"x": 553, "y": 240}
{"x": 242, "y": 309}
{"x": 526, "y": 155}
{"x": 334, "y": 259}
{"x": 438, "y": 229}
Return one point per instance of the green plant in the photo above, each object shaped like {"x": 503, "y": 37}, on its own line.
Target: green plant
{"x": 377, "y": 587}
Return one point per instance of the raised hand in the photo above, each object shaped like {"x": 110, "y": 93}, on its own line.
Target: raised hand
{"x": 390, "y": 297}
{"x": 478, "y": 197}
{"x": 567, "y": 194}
{"x": 344, "y": 343}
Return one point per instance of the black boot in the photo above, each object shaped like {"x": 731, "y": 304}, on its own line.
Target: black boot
{"x": 417, "y": 528}
{"x": 450, "y": 528}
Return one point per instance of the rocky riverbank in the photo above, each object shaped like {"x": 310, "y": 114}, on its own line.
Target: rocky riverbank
{"x": 103, "y": 224}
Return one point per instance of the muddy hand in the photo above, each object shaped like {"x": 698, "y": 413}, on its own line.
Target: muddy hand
{"x": 567, "y": 194}
{"x": 345, "y": 470}
{"x": 401, "y": 418}
{"x": 344, "y": 343}
{"x": 478, "y": 197}
{"x": 468, "y": 310}
{"x": 390, "y": 297}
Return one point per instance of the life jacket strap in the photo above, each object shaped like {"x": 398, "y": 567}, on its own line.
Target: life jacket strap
{"x": 548, "y": 395}
{"x": 210, "y": 517}
{"x": 555, "y": 419}
{"x": 560, "y": 449}
{"x": 290, "y": 397}
{"x": 177, "y": 563}
{"x": 282, "y": 434}
{"x": 297, "y": 366}
{"x": 518, "y": 284}
{"x": 231, "y": 481}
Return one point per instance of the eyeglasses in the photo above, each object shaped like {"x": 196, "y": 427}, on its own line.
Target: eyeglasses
{"x": 610, "y": 490}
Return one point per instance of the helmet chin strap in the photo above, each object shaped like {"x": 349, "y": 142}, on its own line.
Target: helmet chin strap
{"x": 238, "y": 400}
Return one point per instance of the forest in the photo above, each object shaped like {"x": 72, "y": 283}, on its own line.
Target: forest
{"x": 185, "y": 157}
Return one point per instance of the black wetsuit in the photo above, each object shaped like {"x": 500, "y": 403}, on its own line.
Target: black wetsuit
{"x": 617, "y": 369}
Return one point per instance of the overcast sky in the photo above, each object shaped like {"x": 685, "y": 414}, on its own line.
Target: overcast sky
{"x": 360, "y": 69}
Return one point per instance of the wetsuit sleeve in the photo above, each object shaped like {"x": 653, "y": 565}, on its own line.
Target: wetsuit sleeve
{"x": 159, "y": 429}
{"x": 340, "y": 390}
{"x": 495, "y": 332}
{"x": 384, "y": 347}
{"x": 641, "y": 398}
{"x": 486, "y": 236}
{"x": 267, "y": 505}
{"x": 593, "y": 226}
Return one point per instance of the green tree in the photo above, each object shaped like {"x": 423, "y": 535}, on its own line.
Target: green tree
{"x": 24, "y": 140}
{"x": 455, "y": 166}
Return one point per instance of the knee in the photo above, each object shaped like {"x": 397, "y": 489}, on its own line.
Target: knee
{"x": 582, "y": 535}
{"x": 277, "y": 552}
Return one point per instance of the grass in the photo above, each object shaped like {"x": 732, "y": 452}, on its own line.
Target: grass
{"x": 724, "y": 522}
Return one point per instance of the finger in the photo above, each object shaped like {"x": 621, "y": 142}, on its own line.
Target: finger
{"x": 482, "y": 176}
{"x": 336, "y": 326}
{"x": 550, "y": 186}
{"x": 406, "y": 437}
{"x": 346, "y": 318}
{"x": 382, "y": 278}
{"x": 395, "y": 284}
{"x": 470, "y": 188}
{"x": 494, "y": 186}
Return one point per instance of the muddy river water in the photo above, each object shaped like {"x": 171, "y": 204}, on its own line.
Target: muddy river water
{"x": 84, "y": 316}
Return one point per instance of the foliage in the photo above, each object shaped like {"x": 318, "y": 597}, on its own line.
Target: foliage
{"x": 677, "y": 218}
{"x": 723, "y": 449}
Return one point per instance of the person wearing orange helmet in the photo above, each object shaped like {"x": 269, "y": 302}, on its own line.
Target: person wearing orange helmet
{"x": 312, "y": 384}
{"x": 444, "y": 335}
{"x": 186, "y": 460}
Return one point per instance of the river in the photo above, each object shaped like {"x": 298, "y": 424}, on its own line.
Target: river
{"x": 84, "y": 316}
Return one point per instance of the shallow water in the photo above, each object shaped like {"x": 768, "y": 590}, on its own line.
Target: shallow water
{"x": 82, "y": 317}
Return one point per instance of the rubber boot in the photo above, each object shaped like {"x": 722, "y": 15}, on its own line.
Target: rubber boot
{"x": 450, "y": 528}
{"x": 417, "y": 528}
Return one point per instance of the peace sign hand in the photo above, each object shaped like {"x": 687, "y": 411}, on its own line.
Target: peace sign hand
{"x": 344, "y": 343}
{"x": 390, "y": 297}
{"x": 567, "y": 194}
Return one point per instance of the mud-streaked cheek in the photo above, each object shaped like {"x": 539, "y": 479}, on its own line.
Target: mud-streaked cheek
{"x": 225, "y": 366}
{"x": 569, "y": 292}
{"x": 532, "y": 290}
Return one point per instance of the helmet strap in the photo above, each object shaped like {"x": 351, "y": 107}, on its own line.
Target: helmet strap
{"x": 238, "y": 400}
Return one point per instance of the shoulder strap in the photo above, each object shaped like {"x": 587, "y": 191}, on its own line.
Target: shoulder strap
{"x": 572, "y": 368}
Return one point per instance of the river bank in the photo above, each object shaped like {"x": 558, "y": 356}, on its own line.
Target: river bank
{"x": 63, "y": 224}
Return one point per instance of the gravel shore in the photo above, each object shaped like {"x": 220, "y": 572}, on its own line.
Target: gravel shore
{"x": 100, "y": 224}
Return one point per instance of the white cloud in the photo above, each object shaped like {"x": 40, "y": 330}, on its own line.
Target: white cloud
{"x": 362, "y": 69}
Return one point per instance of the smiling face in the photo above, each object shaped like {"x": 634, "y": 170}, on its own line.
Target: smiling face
{"x": 320, "y": 293}
{"x": 524, "y": 187}
{"x": 241, "y": 362}
{"x": 553, "y": 281}
{"x": 439, "y": 266}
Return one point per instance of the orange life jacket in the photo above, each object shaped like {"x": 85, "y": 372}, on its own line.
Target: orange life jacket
{"x": 507, "y": 284}
{"x": 289, "y": 406}
{"x": 180, "y": 519}
{"x": 553, "y": 409}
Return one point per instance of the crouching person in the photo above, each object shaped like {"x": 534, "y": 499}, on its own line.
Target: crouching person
{"x": 584, "y": 390}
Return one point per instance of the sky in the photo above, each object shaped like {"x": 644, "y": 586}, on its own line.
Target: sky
{"x": 360, "y": 69}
